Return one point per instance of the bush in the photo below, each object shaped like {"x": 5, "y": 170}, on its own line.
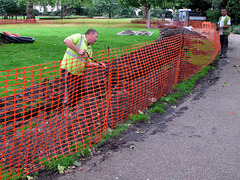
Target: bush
{"x": 157, "y": 13}
{"x": 36, "y": 12}
{"x": 235, "y": 29}
{"x": 57, "y": 13}
{"x": 213, "y": 15}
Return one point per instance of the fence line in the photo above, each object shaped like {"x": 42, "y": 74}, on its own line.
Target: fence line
{"x": 37, "y": 129}
{"x": 17, "y": 21}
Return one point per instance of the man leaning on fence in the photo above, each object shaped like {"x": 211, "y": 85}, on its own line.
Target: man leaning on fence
{"x": 224, "y": 24}
{"x": 73, "y": 64}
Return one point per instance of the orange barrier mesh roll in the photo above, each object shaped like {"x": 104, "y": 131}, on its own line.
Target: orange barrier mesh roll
{"x": 37, "y": 128}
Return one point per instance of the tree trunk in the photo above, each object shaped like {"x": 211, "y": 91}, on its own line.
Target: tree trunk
{"x": 29, "y": 10}
{"x": 109, "y": 14}
{"x": 44, "y": 10}
{"x": 5, "y": 15}
{"x": 145, "y": 11}
{"x": 63, "y": 11}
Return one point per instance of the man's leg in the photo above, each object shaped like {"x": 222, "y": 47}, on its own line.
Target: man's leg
{"x": 73, "y": 87}
{"x": 76, "y": 89}
{"x": 221, "y": 42}
{"x": 224, "y": 45}
{"x": 65, "y": 83}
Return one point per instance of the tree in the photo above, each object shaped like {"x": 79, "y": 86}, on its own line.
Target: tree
{"x": 107, "y": 7}
{"x": 199, "y": 5}
{"x": 8, "y": 7}
{"x": 29, "y": 7}
{"x": 232, "y": 6}
{"x": 65, "y": 4}
{"x": 145, "y": 4}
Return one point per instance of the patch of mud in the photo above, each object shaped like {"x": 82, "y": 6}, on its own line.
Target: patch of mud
{"x": 210, "y": 79}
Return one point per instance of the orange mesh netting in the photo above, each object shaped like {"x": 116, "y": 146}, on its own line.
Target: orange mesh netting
{"x": 36, "y": 127}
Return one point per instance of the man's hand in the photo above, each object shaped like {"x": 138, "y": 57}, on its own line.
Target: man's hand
{"x": 89, "y": 64}
{"x": 82, "y": 52}
{"x": 102, "y": 64}
{"x": 72, "y": 46}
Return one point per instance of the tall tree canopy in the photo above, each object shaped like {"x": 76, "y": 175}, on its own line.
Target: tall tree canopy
{"x": 108, "y": 8}
{"x": 233, "y": 7}
{"x": 146, "y": 4}
{"x": 65, "y": 4}
{"x": 10, "y": 7}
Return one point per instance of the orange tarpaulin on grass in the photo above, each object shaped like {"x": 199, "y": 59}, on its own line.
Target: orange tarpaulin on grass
{"x": 37, "y": 129}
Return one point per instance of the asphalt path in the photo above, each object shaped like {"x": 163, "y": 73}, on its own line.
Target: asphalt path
{"x": 200, "y": 142}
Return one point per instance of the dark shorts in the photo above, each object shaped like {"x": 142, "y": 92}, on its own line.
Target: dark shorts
{"x": 73, "y": 87}
{"x": 224, "y": 40}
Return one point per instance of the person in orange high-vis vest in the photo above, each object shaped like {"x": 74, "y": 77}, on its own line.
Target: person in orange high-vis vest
{"x": 73, "y": 64}
{"x": 224, "y": 24}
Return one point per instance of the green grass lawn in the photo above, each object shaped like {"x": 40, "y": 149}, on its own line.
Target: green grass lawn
{"x": 49, "y": 47}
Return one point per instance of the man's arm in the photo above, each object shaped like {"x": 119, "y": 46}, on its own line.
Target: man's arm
{"x": 90, "y": 64}
{"x": 81, "y": 52}
{"x": 227, "y": 26}
{"x": 72, "y": 46}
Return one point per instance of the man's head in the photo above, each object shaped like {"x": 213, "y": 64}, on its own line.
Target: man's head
{"x": 91, "y": 36}
{"x": 224, "y": 12}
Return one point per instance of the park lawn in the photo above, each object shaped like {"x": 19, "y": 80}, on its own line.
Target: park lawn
{"x": 49, "y": 47}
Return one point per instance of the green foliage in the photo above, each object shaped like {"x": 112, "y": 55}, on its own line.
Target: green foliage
{"x": 168, "y": 99}
{"x": 235, "y": 29}
{"x": 108, "y": 9}
{"x": 60, "y": 161}
{"x": 158, "y": 107}
{"x": 86, "y": 152}
{"x": 200, "y": 5}
{"x": 233, "y": 7}
{"x": 140, "y": 117}
{"x": 213, "y": 15}
{"x": 157, "y": 13}
{"x": 177, "y": 95}
{"x": 8, "y": 6}
{"x": 73, "y": 147}
{"x": 187, "y": 85}
{"x": 60, "y": 169}
{"x": 118, "y": 130}
{"x": 12, "y": 174}
{"x": 148, "y": 3}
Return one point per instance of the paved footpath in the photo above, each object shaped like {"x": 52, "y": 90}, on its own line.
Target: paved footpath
{"x": 201, "y": 143}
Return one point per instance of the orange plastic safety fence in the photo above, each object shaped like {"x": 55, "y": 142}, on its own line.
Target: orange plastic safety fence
{"x": 38, "y": 128}
{"x": 195, "y": 24}
{"x": 206, "y": 26}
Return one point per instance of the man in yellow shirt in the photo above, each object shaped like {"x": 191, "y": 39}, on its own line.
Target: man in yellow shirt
{"x": 224, "y": 24}
{"x": 73, "y": 64}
